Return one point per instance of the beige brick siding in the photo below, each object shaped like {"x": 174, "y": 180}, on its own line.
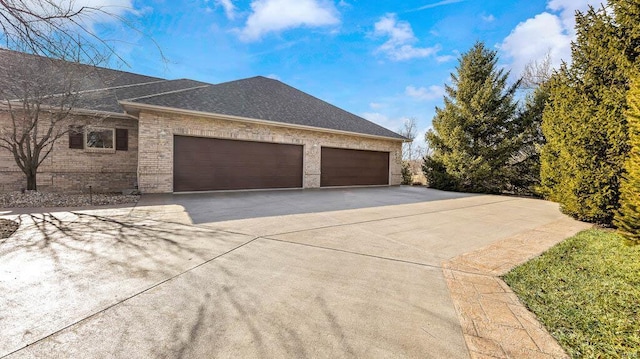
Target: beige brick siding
{"x": 155, "y": 153}
{"x": 73, "y": 170}
{"x": 149, "y": 159}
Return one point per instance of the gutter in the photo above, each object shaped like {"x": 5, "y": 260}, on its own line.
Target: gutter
{"x": 74, "y": 111}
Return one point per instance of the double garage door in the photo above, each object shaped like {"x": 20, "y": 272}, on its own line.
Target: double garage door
{"x": 207, "y": 164}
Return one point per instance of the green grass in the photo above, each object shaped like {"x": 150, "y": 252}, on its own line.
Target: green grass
{"x": 586, "y": 291}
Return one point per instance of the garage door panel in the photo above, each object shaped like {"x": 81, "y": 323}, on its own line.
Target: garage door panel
{"x": 202, "y": 164}
{"x": 346, "y": 167}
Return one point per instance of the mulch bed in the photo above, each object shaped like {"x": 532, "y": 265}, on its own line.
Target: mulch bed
{"x": 7, "y": 227}
{"x": 35, "y": 199}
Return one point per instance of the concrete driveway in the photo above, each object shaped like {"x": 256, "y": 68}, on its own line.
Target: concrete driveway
{"x": 309, "y": 273}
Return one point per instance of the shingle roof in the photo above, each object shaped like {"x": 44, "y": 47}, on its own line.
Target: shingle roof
{"x": 108, "y": 99}
{"x": 267, "y": 99}
{"x": 258, "y": 98}
{"x": 18, "y": 66}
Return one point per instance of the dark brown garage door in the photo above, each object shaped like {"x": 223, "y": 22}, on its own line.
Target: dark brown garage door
{"x": 341, "y": 167}
{"x": 206, "y": 164}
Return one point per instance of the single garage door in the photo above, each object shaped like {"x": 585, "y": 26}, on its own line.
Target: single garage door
{"x": 206, "y": 164}
{"x": 342, "y": 167}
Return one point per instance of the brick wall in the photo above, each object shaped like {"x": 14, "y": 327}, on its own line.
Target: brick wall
{"x": 155, "y": 161}
{"x": 149, "y": 159}
{"x": 73, "y": 170}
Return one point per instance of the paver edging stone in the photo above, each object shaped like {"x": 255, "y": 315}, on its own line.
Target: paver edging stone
{"x": 495, "y": 324}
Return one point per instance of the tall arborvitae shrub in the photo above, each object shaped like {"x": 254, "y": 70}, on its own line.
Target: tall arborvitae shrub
{"x": 584, "y": 123}
{"x": 627, "y": 218}
{"x": 473, "y": 137}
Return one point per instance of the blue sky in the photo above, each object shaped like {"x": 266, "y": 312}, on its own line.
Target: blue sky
{"x": 383, "y": 60}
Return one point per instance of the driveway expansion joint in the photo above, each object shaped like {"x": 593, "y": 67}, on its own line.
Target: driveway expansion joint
{"x": 352, "y": 252}
{"x": 389, "y": 218}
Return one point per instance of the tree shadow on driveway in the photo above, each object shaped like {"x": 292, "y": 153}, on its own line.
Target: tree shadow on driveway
{"x": 60, "y": 267}
{"x": 93, "y": 284}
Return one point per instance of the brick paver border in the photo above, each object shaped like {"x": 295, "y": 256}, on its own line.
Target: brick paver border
{"x": 494, "y": 322}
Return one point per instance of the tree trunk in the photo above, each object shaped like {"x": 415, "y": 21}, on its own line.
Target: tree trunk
{"x": 31, "y": 181}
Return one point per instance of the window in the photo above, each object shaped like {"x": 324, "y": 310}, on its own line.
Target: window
{"x": 102, "y": 138}
{"x": 99, "y": 139}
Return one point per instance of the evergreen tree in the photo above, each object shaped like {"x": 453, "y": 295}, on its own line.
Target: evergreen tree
{"x": 627, "y": 13}
{"x": 584, "y": 123}
{"x": 407, "y": 175}
{"x": 627, "y": 219}
{"x": 473, "y": 138}
{"x": 525, "y": 176}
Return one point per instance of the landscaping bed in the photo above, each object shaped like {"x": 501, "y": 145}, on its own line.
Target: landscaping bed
{"x": 45, "y": 199}
{"x": 586, "y": 291}
{"x": 7, "y": 227}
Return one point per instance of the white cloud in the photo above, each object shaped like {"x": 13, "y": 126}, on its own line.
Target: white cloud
{"x": 425, "y": 94}
{"x": 278, "y": 15}
{"x": 445, "y": 58}
{"x": 376, "y": 105}
{"x": 229, "y": 8}
{"x": 438, "y": 4}
{"x": 546, "y": 33}
{"x": 567, "y": 10}
{"x": 399, "y": 46}
{"x": 488, "y": 18}
{"x": 274, "y": 77}
{"x": 385, "y": 121}
{"x": 533, "y": 39}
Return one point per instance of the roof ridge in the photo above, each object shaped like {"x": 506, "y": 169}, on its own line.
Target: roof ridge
{"x": 164, "y": 93}
{"x": 122, "y": 86}
{"x": 100, "y": 89}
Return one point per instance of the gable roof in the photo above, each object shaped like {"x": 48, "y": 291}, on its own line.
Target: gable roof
{"x": 257, "y": 98}
{"x": 262, "y": 98}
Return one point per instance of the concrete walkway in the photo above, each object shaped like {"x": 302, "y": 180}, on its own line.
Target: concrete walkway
{"x": 380, "y": 272}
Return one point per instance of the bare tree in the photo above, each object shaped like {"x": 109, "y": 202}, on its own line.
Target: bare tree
{"x": 63, "y": 29}
{"x": 537, "y": 72}
{"x": 38, "y": 96}
{"x": 410, "y": 131}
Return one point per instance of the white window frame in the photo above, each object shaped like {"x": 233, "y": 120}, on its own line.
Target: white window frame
{"x": 99, "y": 149}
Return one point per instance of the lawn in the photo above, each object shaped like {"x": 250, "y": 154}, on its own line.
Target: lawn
{"x": 586, "y": 291}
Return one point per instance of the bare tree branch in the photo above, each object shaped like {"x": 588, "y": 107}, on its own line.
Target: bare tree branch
{"x": 59, "y": 29}
{"x": 536, "y": 72}
{"x": 410, "y": 131}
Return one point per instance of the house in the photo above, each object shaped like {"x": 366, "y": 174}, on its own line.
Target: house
{"x": 183, "y": 135}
